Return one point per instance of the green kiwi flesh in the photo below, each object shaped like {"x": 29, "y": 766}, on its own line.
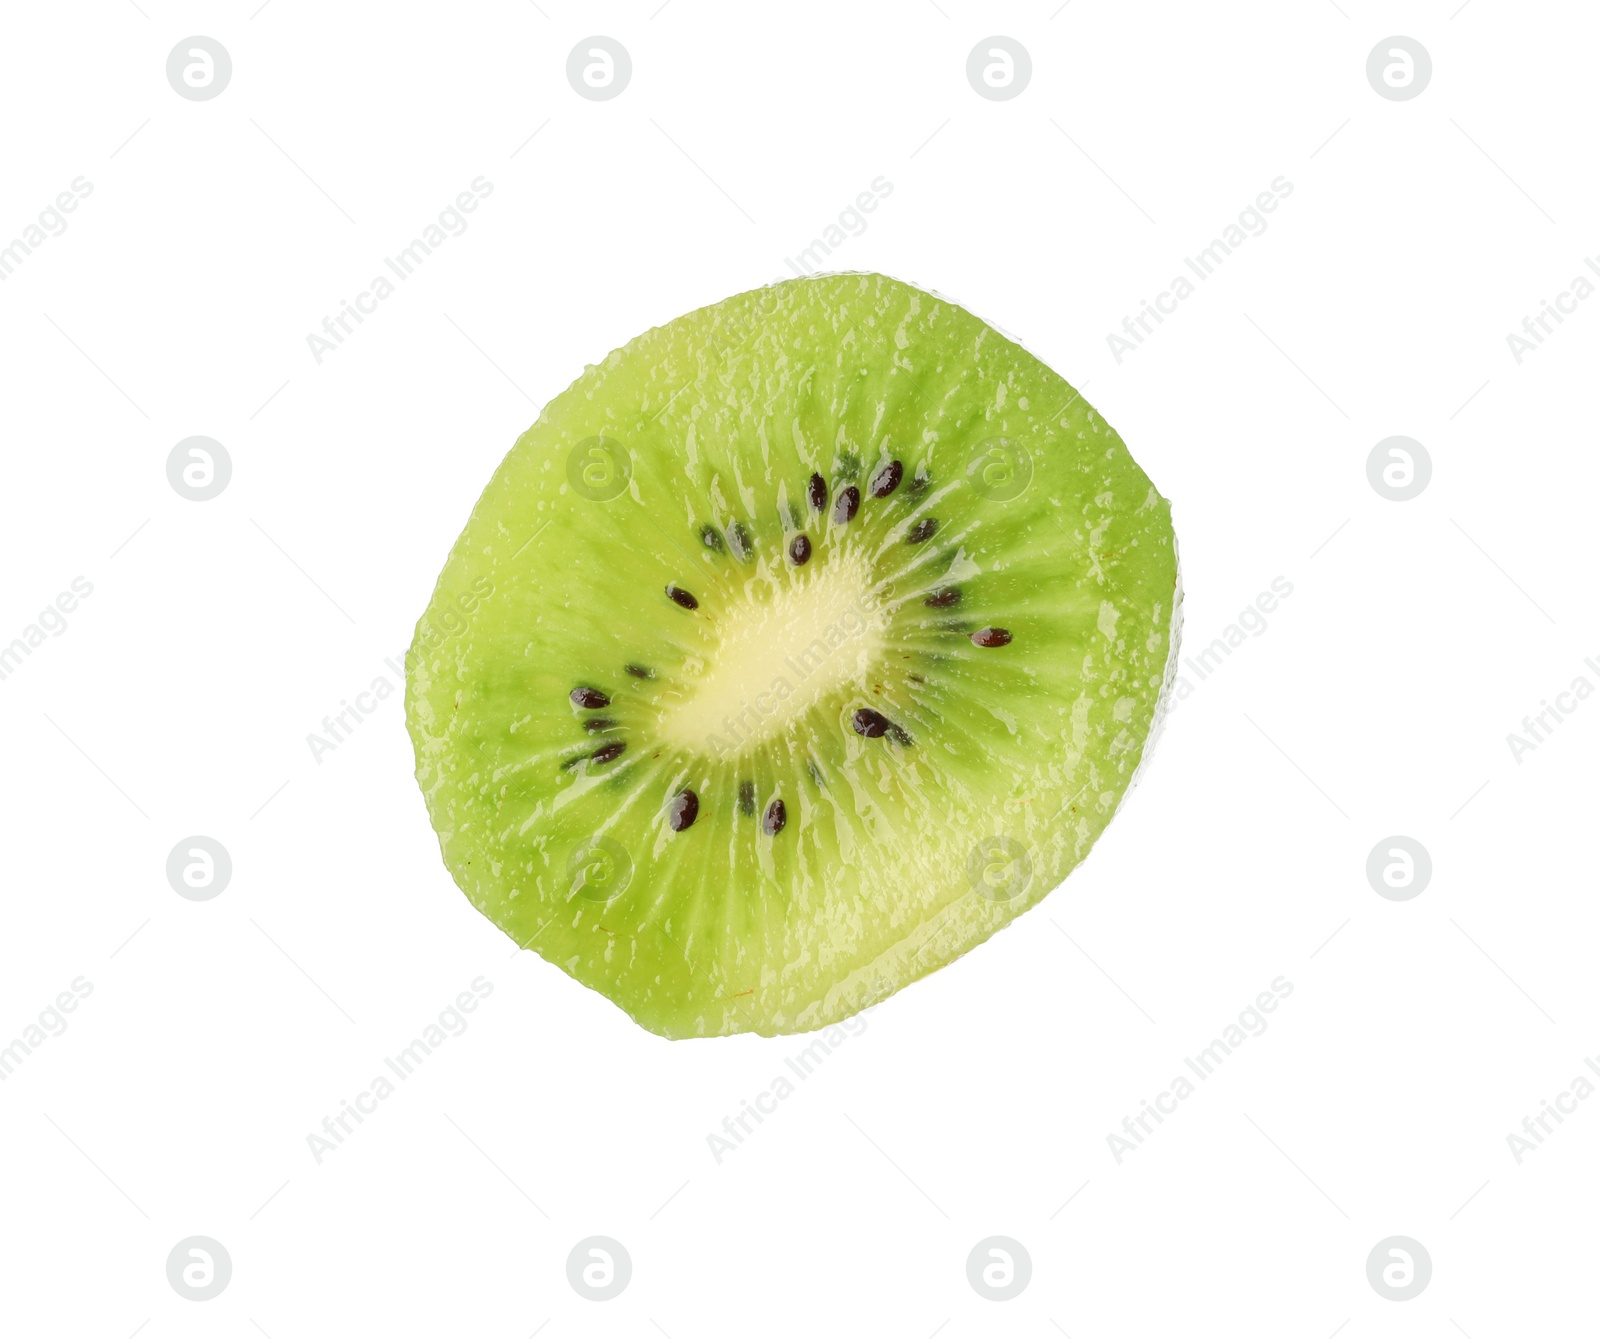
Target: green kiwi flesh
{"x": 801, "y": 644}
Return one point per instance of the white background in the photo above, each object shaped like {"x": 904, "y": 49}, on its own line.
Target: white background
{"x": 978, "y": 1102}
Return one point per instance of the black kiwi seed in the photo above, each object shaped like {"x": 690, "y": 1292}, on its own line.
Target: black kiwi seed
{"x": 944, "y": 599}
{"x": 739, "y": 540}
{"x": 640, "y": 671}
{"x": 747, "y": 798}
{"x": 990, "y": 637}
{"x": 591, "y": 699}
{"x": 773, "y": 820}
{"x": 799, "y": 550}
{"x": 817, "y": 492}
{"x": 711, "y": 537}
{"x": 606, "y": 752}
{"x": 678, "y": 595}
{"x": 922, "y": 531}
{"x": 597, "y": 723}
{"x": 844, "y": 507}
{"x": 886, "y": 480}
{"x": 870, "y": 723}
{"x": 682, "y": 809}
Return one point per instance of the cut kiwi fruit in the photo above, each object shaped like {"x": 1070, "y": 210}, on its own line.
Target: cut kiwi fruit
{"x": 800, "y": 645}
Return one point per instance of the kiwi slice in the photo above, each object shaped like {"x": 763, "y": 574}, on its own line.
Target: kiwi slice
{"x": 799, "y": 646}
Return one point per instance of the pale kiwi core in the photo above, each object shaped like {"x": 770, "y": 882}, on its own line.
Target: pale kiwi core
{"x": 774, "y": 659}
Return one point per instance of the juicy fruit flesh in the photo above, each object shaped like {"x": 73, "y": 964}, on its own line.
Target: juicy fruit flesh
{"x": 798, "y": 774}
